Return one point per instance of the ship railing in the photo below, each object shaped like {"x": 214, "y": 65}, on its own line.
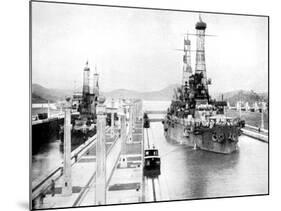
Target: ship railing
{"x": 44, "y": 182}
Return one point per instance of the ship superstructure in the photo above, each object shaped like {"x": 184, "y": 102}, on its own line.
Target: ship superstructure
{"x": 193, "y": 117}
{"x": 84, "y": 125}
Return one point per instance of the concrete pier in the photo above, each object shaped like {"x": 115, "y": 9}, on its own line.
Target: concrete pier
{"x": 67, "y": 186}
{"x": 126, "y": 184}
{"x": 262, "y": 120}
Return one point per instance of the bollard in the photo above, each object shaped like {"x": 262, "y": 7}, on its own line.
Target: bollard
{"x": 67, "y": 183}
{"x": 130, "y": 123}
{"x": 49, "y": 112}
{"x": 100, "y": 196}
{"x": 123, "y": 157}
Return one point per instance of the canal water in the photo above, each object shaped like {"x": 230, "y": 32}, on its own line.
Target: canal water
{"x": 187, "y": 173}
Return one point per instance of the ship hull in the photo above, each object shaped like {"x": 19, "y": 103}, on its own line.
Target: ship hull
{"x": 78, "y": 137}
{"x": 44, "y": 133}
{"x": 175, "y": 132}
{"x": 204, "y": 139}
{"x": 47, "y": 132}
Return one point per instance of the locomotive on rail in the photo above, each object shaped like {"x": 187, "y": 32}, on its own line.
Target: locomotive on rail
{"x": 152, "y": 163}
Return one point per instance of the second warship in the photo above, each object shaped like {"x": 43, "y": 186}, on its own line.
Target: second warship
{"x": 84, "y": 126}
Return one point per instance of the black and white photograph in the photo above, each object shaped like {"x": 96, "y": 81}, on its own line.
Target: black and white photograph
{"x": 136, "y": 105}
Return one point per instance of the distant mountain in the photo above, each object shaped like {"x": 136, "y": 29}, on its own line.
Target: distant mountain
{"x": 242, "y": 95}
{"x": 41, "y": 94}
{"x": 163, "y": 94}
{"x": 38, "y": 99}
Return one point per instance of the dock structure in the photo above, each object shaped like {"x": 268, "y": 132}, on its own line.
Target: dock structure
{"x": 125, "y": 185}
{"x": 94, "y": 172}
{"x": 258, "y": 133}
{"x": 257, "y": 107}
{"x": 108, "y": 169}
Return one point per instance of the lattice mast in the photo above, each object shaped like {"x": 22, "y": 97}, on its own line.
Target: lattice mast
{"x": 200, "y": 66}
{"x": 187, "y": 70}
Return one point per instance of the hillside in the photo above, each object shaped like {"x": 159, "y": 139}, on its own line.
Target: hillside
{"x": 38, "y": 99}
{"x": 42, "y": 94}
{"x": 163, "y": 94}
{"x": 242, "y": 95}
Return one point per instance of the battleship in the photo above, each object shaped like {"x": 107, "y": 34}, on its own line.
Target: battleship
{"x": 84, "y": 126}
{"x": 194, "y": 118}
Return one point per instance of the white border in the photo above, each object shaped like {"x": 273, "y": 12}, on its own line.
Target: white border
{"x": 14, "y": 103}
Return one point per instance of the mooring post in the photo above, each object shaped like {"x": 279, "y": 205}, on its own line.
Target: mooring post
{"x": 67, "y": 183}
{"x": 100, "y": 196}
{"x": 130, "y": 123}
{"x": 49, "y": 113}
{"x": 123, "y": 157}
{"x": 262, "y": 121}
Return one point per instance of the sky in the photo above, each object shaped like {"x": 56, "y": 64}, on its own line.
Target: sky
{"x": 135, "y": 48}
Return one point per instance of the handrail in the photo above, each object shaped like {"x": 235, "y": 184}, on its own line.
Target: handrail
{"x": 47, "y": 178}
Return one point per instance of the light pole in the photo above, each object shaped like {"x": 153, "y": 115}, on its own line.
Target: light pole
{"x": 67, "y": 183}
{"x": 100, "y": 196}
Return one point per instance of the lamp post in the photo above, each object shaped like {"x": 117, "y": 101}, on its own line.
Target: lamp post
{"x": 67, "y": 183}
{"x": 100, "y": 196}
